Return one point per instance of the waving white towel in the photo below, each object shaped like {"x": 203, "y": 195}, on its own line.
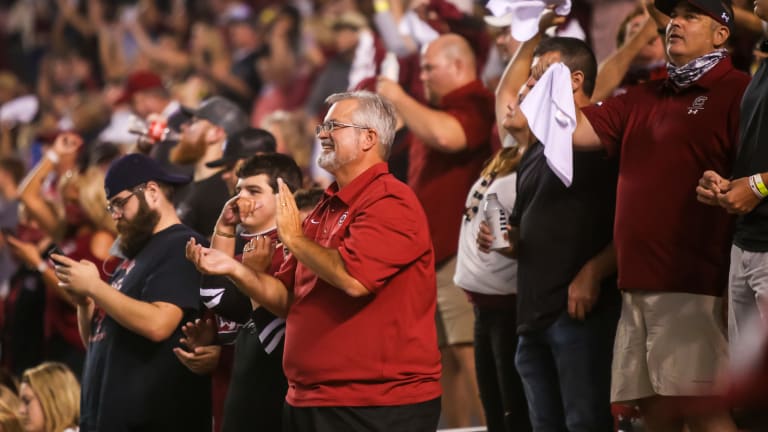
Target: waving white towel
{"x": 524, "y": 14}
{"x": 551, "y": 116}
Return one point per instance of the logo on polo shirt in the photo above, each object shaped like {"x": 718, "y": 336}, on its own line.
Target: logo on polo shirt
{"x": 343, "y": 218}
{"x": 697, "y": 105}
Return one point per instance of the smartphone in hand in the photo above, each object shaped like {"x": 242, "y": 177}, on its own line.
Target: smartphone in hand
{"x": 52, "y": 249}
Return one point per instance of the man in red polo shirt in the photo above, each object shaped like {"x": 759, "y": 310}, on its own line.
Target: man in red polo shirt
{"x": 449, "y": 142}
{"x": 672, "y": 251}
{"x": 357, "y": 287}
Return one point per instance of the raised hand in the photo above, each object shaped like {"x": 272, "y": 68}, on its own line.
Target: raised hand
{"x": 209, "y": 261}
{"x": 230, "y": 215}
{"x": 288, "y": 218}
{"x": 76, "y": 277}
{"x": 258, "y": 252}
{"x": 200, "y": 333}
{"x": 27, "y": 252}
{"x": 67, "y": 143}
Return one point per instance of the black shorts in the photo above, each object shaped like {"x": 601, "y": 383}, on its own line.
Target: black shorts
{"x": 419, "y": 417}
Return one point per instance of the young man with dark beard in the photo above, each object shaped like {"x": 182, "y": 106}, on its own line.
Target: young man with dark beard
{"x": 214, "y": 124}
{"x": 132, "y": 381}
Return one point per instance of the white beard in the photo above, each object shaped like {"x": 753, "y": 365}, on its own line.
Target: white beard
{"x": 329, "y": 160}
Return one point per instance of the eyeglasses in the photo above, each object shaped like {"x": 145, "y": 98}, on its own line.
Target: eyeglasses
{"x": 331, "y": 125}
{"x": 116, "y": 206}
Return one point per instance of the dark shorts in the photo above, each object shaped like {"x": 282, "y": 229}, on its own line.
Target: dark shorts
{"x": 419, "y": 417}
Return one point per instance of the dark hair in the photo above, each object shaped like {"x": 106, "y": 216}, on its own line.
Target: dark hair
{"x": 575, "y": 54}
{"x": 274, "y": 165}
{"x": 14, "y": 166}
{"x": 307, "y": 199}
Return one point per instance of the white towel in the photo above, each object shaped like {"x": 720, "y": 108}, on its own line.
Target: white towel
{"x": 524, "y": 14}
{"x": 551, "y": 116}
{"x": 19, "y": 110}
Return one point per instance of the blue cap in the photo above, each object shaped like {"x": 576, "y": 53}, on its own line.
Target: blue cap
{"x": 134, "y": 169}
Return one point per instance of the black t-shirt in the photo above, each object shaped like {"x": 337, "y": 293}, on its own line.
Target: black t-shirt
{"x": 131, "y": 383}
{"x": 199, "y": 204}
{"x": 561, "y": 228}
{"x": 258, "y": 385}
{"x": 752, "y": 228}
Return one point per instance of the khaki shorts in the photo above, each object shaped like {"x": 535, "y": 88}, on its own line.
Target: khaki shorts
{"x": 455, "y": 316}
{"x": 669, "y": 344}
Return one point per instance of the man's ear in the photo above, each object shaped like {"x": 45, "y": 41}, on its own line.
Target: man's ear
{"x": 369, "y": 139}
{"x": 721, "y": 36}
{"x": 577, "y": 80}
{"x": 216, "y": 134}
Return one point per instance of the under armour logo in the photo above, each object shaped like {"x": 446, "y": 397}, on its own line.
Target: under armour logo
{"x": 697, "y": 105}
{"x": 725, "y": 17}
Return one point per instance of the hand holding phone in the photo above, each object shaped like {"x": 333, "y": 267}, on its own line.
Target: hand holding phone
{"x": 52, "y": 249}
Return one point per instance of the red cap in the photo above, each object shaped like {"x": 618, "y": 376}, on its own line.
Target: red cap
{"x": 139, "y": 81}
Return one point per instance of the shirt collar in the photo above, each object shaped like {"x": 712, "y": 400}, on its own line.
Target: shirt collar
{"x": 349, "y": 193}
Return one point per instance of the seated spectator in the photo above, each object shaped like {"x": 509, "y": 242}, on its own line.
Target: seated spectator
{"x": 50, "y": 396}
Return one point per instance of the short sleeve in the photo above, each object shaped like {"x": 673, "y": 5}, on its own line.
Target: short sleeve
{"x": 174, "y": 279}
{"x": 287, "y": 272}
{"x": 475, "y": 115}
{"x": 609, "y": 120}
{"x": 382, "y": 239}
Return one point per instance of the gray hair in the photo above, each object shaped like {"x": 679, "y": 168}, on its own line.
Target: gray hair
{"x": 373, "y": 112}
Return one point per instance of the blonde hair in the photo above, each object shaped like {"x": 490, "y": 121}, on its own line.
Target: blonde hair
{"x": 93, "y": 199}
{"x": 504, "y": 162}
{"x": 292, "y": 127}
{"x": 9, "y": 399}
{"x": 91, "y": 196}
{"x": 9, "y": 419}
{"x": 58, "y": 392}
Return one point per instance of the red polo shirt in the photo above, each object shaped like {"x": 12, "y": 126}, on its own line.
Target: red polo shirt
{"x": 665, "y": 239}
{"x": 376, "y": 350}
{"x": 442, "y": 180}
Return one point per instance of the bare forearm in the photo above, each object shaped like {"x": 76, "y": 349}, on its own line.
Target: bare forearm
{"x": 434, "y": 128}
{"x": 224, "y": 243}
{"x": 748, "y": 21}
{"x": 30, "y": 193}
{"x": 84, "y": 318}
{"x": 140, "y": 317}
{"x": 515, "y": 75}
{"x": 613, "y": 69}
{"x": 603, "y": 264}
{"x": 328, "y": 266}
{"x": 264, "y": 289}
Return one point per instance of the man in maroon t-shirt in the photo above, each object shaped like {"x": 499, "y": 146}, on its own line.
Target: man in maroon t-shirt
{"x": 449, "y": 141}
{"x": 357, "y": 286}
{"x": 672, "y": 251}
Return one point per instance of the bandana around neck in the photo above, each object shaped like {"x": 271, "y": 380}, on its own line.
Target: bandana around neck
{"x": 687, "y": 74}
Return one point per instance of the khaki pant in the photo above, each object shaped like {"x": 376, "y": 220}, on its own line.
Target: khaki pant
{"x": 669, "y": 344}
{"x": 455, "y": 317}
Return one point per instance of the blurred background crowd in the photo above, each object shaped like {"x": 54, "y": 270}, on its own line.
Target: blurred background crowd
{"x": 132, "y": 75}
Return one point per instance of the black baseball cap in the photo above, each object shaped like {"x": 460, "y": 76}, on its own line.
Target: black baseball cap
{"x": 244, "y": 145}
{"x": 222, "y": 112}
{"x": 714, "y": 8}
{"x": 134, "y": 169}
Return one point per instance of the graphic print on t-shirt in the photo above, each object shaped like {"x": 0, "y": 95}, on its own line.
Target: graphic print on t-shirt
{"x": 98, "y": 315}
